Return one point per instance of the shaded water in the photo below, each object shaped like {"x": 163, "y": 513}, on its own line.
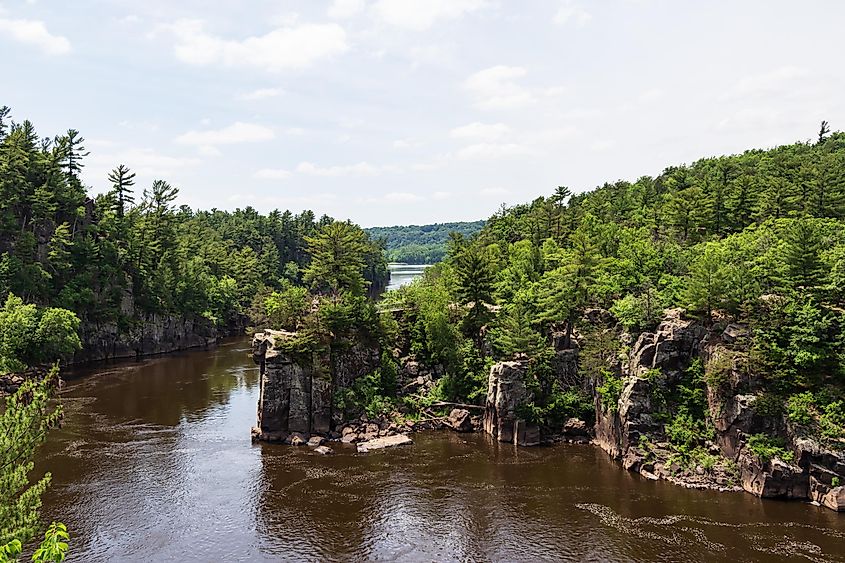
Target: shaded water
{"x": 403, "y": 274}
{"x": 154, "y": 463}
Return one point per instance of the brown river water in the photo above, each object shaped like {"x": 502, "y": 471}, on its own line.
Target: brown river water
{"x": 154, "y": 463}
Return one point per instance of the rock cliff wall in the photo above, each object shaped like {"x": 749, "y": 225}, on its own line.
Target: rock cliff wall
{"x": 149, "y": 335}
{"x": 297, "y": 389}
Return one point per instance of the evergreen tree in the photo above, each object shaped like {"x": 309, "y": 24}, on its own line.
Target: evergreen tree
{"x": 475, "y": 280}
{"x": 337, "y": 259}
{"x": 122, "y": 181}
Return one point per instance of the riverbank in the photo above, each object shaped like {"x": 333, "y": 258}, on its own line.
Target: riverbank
{"x": 159, "y": 447}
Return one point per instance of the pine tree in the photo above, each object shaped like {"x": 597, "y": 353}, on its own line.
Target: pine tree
{"x": 802, "y": 254}
{"x": 475, "y": 290}
{"x": 122, "y": 181}
{"x": 337, "y": 259}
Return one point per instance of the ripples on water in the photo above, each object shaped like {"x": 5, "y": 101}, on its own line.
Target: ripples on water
{"x": 154, "y": 463}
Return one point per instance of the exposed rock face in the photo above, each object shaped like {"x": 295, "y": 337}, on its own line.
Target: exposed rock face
{"x": 660, "y": 358}
{"x": 152, "y": 334}
{"x": 775, "y": 479}
{"x": 296, "y": 393}
{"x": 505, "y": 393}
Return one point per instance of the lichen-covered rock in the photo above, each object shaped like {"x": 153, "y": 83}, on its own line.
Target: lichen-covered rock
{"x": 505, "y": 393}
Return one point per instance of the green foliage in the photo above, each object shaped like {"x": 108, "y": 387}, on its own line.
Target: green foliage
{"x": 54, "y": 547}
{"x": 610, "y": 391}
{"x": 31, "y": 336}
{"x": 835, "y": 482}
{"x": 636, "y": 312}
{"x": 24, "y": 424}
{"x": 767, "y": 447}
{"x": 285, "y": 309}
{"x": 337, "y": 259}
{"x": 799, "y": 408}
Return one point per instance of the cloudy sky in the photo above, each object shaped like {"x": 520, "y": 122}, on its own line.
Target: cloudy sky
{"x": 415, "y": 111}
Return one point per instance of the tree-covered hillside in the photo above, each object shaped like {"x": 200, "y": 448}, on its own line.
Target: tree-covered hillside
{"x": 421, "y": 244}
{"x": 756, "y": 239}
{"x": 134, "y": 251}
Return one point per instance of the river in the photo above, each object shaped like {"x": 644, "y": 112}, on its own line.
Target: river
{"x": 154, "y": 463}
{"x": 403, "y": 274}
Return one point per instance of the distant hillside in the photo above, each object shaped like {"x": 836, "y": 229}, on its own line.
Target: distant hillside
{"x": 421, "y": 244}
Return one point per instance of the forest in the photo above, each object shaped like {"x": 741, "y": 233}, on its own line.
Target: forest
{"x": 755, "y": 238}
{"x": 421, "y": 244}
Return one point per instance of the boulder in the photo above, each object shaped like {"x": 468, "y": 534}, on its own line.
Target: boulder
{"x": 575, "y": 427}
{"x": 315, "y": 441}
{"x": 324, "y": 450}
{"x": 460, "y": 420}
{"x": 384, "y": 442}
{"x": 775, "y": 479}
{"x": 297, "y": 439}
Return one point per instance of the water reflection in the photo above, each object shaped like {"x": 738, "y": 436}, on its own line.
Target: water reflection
{"x": 403, "y": 274}
{"x": 154, "y": 463}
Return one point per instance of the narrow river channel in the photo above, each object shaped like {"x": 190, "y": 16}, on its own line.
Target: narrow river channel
{"x": 154, "y": 463}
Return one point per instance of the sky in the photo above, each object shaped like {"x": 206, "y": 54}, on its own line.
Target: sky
{"x": 393, "y": 112}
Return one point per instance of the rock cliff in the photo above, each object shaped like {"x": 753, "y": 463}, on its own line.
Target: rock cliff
{"x": 297, "y": 387}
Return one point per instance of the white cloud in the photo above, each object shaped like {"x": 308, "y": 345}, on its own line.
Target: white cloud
{"x": 488, "y": 151}
{"x": 342, "y": 9}
{"x": 497, "y": 88}
{"x": 602, "y": 145}
{"x": 652, "y": 95}
{"x": 359, "y": 169}
{"x": 271, "y": 174}
{"x": 293, "y": 47}
{"x": 419, "y": 15}
{"x": 209, "y": 151}
{"x": 494, "y": 191}
{"x": 238, "y": 132}
{"x": 142, "y": 161}
{"x": 34, "y": 32}
{"x": 570, "y": 11}
{"x": 440, "y": 196}
{"x": 406, "y": 143}
{"x": 262, "y": 94}
{"x": 772, "y": 83}
{"x": 401, "y": 197}
{"x": 483, "y": 131}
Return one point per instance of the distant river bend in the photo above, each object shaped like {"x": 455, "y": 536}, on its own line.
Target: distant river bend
{"x": 403, "y": 274}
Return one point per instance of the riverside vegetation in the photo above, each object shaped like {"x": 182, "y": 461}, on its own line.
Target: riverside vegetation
{"x": 692, "y": 321}
{"x": 566, "y": 294}
{"x": 118, "y": 274}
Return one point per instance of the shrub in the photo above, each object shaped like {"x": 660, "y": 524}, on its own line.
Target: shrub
{"x": 799, "y": 408}
{"x": 767, "y": 448}
{"x": 610, "y": 390}
{"x": 835, "y": 482}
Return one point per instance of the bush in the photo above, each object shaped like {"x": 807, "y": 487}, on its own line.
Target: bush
{"x": 799, "y": 408}
{"x": 610, "y": 390}
{"x": 767, "y": 448}
{"x": 832, "y": 421}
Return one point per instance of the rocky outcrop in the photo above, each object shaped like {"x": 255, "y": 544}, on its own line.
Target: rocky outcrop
{"x": 146, "y": 336}
{"x": 297, "y": 386}
{"x": 384, "y": 442}
{"x": 506, "y": 392}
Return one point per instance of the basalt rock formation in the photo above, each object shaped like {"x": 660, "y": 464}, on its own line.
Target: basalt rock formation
{"x": 506, "y": 391}
{"x": 297, "y": 387}
{"x": 630, "y": 431}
